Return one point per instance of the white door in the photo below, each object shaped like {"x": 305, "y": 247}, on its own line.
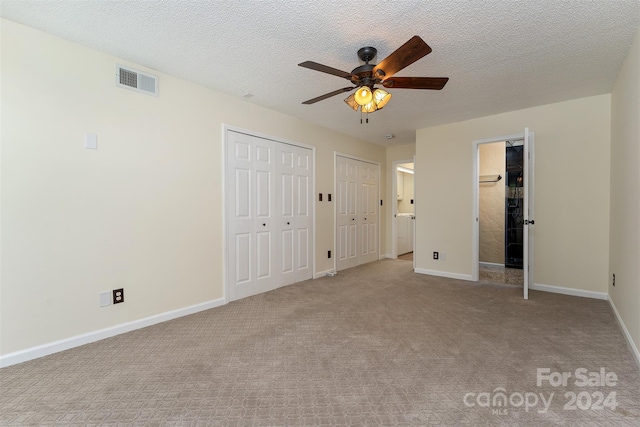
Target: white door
{"x": 304, "y": 214}
{"x": 357, "y": 184}
{"x": 251, "y": 236}
{"x": 528, "y": 223}
{"x": 347, "y": 212}
{"x": 295, "y": 219}
{"x": 286, "y": 214}
{"x": 269, "y": 214}
{"x": 368, "y": 215}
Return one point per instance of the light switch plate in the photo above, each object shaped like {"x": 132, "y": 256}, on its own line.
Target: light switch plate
{"x": 91, "y": 141}
{"x": 105, "y": 298}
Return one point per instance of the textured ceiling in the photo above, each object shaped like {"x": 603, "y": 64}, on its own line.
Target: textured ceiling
{"x": 500, "y": 55}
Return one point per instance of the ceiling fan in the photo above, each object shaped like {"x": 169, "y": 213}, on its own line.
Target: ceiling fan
{"x": 367, "y": 97}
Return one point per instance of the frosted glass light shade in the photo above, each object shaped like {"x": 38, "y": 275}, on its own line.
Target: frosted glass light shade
{"x": 369, "y": 108}
{"x": 351, "y": 102}
{"x": 381, "y": 97}
{"x": 363, "y": 95}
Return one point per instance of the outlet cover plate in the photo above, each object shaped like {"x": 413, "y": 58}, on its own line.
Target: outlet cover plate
{"x": 118, "y": 296}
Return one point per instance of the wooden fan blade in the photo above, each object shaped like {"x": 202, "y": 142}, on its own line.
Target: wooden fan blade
{"x": 404, "y": 56}
{"x": 326, "y": 69}
{"x": 434, "y": 83}
{"x": 329, "y": 95}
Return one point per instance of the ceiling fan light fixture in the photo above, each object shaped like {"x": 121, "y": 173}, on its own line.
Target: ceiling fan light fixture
{"x": 351, "y": 102}
{"x": 363, "y": 95}
{"x": 381, "y": 97}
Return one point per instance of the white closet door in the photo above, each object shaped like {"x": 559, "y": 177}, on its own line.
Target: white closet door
{"x": 368, "y": 197}
{"x": 347, "y": 212}
{"x": 303, "y": 192}
{"x": 269, "y": 188}
{"x": 356, "y": 212}
{"x": 286, "y": 214}
{"x": 295, "y": 216}
{"x": 250, "y": 213}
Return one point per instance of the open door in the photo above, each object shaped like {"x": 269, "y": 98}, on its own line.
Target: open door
{"x": 528, "y": 222}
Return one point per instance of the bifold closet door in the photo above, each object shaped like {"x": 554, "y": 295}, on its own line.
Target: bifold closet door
{"x": 356, "y": 212}
{"x": 269, "y": 190}
{"x": 251, "y": 170}
{"x": 368, "y": 212}
{"x": 295, "y": 220}
{"x": 347, "y": 171}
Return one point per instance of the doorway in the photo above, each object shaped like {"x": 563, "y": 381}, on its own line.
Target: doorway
{"x": 500, "y": 212}
{"x": 521, "y": 195}
{"x": 403, "y": 210}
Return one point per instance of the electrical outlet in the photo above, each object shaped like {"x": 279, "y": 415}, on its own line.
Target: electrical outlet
{"x": 614, "y": 279}
{"x": 436, "y": 255}
{"x": 118, "y": 296}
{"x": 328, "y": 254}
{"x": 328, "y": 197}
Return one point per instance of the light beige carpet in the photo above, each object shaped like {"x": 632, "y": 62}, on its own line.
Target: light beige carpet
{"x": 375, "y": 345}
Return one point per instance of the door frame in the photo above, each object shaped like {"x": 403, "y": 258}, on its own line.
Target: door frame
{"x": 337, "y": 154}
{"x": 225, "y": 220}
{"x": 475, "y": 239}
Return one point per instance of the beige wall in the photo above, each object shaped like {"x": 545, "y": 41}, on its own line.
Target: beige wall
{"x": 572, "y": 191}
{"x": 393, "y": 154}
{"x": 143, "y": 212}
{"x": 404, "y": 205}
{"x": 491, "y": 203}
{"x": 625, "y": 193}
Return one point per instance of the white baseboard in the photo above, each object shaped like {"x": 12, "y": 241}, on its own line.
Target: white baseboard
{"x": 443, "y": 274}
{"x": 89, "y": 337}
{"x": 568, "y": 291}
{"x": 627, "y": 335}
{"x": 491, "y": 264}
{"x": 390, "y": 256}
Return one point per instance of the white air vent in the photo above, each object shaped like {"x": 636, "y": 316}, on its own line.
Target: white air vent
{"x": 129, "y": 78}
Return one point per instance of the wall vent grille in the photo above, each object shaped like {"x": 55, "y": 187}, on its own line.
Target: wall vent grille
{"x": 129, "y": 78}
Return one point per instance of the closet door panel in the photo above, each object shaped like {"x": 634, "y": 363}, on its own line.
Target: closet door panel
{"x": 304, "y": 213}
{"x": 286, "y": 214}
{"x": 250, "y": 175}
{"x": 347, "y": 212}
{"x": 242, "y": 247}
